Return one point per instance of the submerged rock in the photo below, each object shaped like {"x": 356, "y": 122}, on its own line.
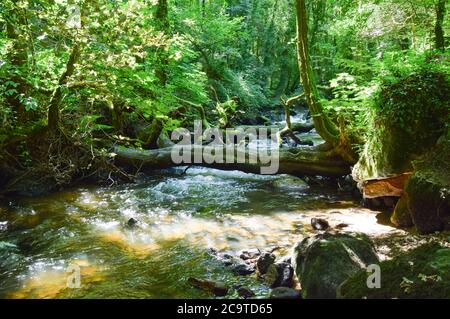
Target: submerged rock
{"x": 284, "y": 293}
{"x": 217, "y": 288}
{"x": 326, "y": 260}
{"x": 421, "y": 273}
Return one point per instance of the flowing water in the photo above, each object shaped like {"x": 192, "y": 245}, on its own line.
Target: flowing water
{"x": 180, "y": 217}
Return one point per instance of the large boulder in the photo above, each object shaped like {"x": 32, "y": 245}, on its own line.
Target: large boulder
{"x": 421, "y": 273}
{"x": 324, "y": 261}
{"x": 428, "y": 190}
{"x": 409, "y": 116}
{"x": 401, "y": 217}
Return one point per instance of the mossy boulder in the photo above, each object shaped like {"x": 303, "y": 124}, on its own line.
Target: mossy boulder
{"x": 428, "y": 190}
{"x": 326, "y": 260}
{"x": 421, "y": 273}
{"x": 409, "y": 116}
{"x": 401, "y": 217}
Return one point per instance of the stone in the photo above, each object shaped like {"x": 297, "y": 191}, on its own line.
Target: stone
{"x": 401, "y": 217}
{"x": 132, "y": 222}
{"x": 428, "y": 191}
{"x": 284, "y": 293}
{"x": 285, "y": 275}
{"x": 324, "y": 261}
{"x": 245, "y": 292}
{"x": 250, "y": 254}
{"x": 319, "y": 224}
{"x": 264, "y": 261}
{"x": 243, "y": 269}
{"x": 279, "y": 275}
{"x": 286, "y": 259}
{"x": 341, "y": 226}
{"x": 217, "y": 288}
{"x": 271, "y": 276}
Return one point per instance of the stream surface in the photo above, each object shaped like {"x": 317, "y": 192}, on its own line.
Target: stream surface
{"x": 180, "y": 217}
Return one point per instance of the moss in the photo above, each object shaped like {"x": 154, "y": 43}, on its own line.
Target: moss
{"x": 401, "y": 217}
{"x": 428, "y": 190}
{"x": 409, "y": 117}
{"x": 422, "y": 273}
{"x": 323, "y": 262}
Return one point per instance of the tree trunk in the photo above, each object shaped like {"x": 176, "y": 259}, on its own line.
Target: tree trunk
{"x": 324, "y": 126}
{"x": 162, "y": 61}
{"x": 53, "y": 115}
{"x": 439, "y": 30}
{"x": 15, "y": 21}
{"x": 162, "y": 25}
{"x": 297, "y": 162}
{"x": 53, "y": 110}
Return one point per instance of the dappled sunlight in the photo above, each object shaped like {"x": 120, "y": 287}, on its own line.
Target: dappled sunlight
{"x": 47, "y": 280}
{"x": 173, "y": 215}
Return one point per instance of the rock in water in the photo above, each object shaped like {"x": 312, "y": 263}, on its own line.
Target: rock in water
{"x": 264, "y": 261}
{"x": 319, "y": 224}
{"x": 245, "y": 292}
{"x": 217, "y": 288}
{"x": 279, "y": 275}
{"x": 250, "y": 254}
{"x": 132, "y": 222}
{"x": 271, "y": 276}
{"x": 284, "y": 293}
{"x": 285, "y": 275}
{"x": 243, "y": 269}
{"x": 324, "y": 261}
{"x": 342, "y": 225}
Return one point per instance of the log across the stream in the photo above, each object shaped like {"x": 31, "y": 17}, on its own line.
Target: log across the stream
{"x": 292, "y": 161}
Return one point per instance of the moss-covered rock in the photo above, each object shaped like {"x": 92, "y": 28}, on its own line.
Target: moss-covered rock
{"x": 409, "y": 117}
{"x": 326, "y": 260}
{"x": 428, "y": 190}
{"x": 421, "y": 273}
{"x": 401, "y": 217}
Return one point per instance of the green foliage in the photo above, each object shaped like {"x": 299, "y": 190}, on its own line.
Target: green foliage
{"x": 235, "y": 58}
{"x": 421, "y": 273}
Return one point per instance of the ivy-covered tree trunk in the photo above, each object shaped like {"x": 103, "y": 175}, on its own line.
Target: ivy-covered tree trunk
{"x": 439, "y": 30}
{"x": 324, "y": 126}
{"x": 162, "y": 61}
{"x": 53, "y": 110}
{"x": 162, "y": 25}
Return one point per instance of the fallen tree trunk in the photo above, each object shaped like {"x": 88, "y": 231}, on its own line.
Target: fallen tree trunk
{"x": 293, "y": 161}
{"x": 296, "y": 127}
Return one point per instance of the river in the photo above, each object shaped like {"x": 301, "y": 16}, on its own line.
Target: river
{"x": 180, "y": 218}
